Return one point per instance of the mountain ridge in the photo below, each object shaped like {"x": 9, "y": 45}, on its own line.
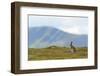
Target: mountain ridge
{"x": 41, "y": 37}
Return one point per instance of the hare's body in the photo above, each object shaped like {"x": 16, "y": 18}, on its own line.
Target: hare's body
{"x": 73, "y": 49}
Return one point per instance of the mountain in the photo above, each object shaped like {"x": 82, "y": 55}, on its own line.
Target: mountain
{"x": 41, "y": 37}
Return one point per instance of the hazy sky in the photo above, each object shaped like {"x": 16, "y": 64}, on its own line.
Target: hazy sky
{"x": 76, "y": 25}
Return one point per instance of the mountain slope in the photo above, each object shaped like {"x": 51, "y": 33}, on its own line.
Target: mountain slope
{"x": 41, "y": 37}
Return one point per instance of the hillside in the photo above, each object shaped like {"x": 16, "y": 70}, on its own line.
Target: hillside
{"x": 42, "y": 37}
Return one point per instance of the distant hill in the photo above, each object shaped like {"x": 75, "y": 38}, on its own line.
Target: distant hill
{"x": 41, "y": 37}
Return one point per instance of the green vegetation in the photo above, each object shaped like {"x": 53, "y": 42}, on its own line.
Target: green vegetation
{"x": 53, "y": 53}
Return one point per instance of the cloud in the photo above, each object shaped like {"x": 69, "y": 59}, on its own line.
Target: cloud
{"x": 75, "y": 25}
{"x": 74, "y": 30}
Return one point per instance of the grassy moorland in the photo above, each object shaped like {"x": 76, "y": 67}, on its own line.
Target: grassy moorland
{"x": 53, "y": 53}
